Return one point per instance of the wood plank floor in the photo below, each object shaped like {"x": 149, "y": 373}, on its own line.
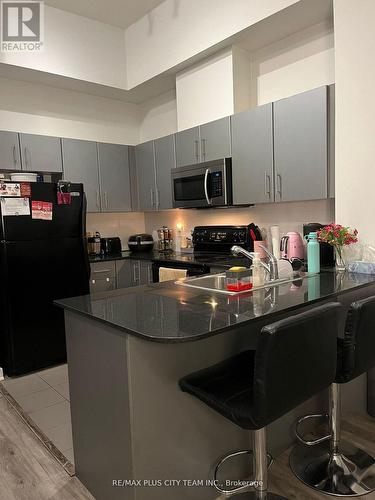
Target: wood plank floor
{"x": 29, "y": 472}
{"x": 27, "y": 469}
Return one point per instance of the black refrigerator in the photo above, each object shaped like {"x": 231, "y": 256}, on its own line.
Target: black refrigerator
{"x": 43, "y": 257}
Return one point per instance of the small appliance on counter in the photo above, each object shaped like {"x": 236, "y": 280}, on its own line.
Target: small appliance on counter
{"x": 94, "y": 243}
{"x": 110, "y": 246}
{"x": 292, "y": 247}
{"x": 327, "y": 257}
{"x": 141, "y": 243}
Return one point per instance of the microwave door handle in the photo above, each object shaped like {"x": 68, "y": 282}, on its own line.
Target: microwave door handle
{"x": 206, "y": 187}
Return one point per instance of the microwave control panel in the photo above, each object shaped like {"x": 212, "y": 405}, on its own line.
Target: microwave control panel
{"x": 216, "y": 184}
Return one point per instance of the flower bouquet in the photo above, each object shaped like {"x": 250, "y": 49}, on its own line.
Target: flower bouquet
{"x": 338, "y": 236}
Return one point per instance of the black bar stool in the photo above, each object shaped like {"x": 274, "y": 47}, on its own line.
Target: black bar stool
{"x": 294, "y": 360}
{"x": 328, "y": 464}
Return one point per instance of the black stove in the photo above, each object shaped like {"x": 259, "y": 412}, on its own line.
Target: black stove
{"x": 212, "y": 247}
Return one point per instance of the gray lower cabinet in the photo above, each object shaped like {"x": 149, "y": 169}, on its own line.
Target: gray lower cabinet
{"x": 125, "y": 273}
{"x": 131, "y": 272}
{"x": 165, "y": 161}
{"x": 215, "y": 139}
{"x": 301, "y": 146}
{"x": 114, "y": 178}
{"x": 252, "y": 156}
{"x": 187, "y": 147}
{"x": 81, "y": 165}
{"x": 146, "y": 176}
{"x": 10, "y": 157}
{"x": 40, "y": 153}
{"x": 103, "y": 277}
{"x": 141, "y": 272}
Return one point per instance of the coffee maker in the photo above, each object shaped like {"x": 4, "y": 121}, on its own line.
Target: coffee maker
{"x": 327, "y": 256}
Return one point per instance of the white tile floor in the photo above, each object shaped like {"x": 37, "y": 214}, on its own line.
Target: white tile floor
{"x": 44, "y": 396}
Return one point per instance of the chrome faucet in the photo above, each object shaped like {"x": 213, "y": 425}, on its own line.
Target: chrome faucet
{"x": 271, "y": 268}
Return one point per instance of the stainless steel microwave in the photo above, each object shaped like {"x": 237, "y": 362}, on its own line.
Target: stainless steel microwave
{"x": 203, "y": 185}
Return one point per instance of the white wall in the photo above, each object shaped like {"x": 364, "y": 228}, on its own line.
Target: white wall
{"x": 177, "y": 30}
{"x": 77, "y": 47}
{"x": 289, "y": 216}
{"x": 355, "y": 111}
{"x": 158, "y": 116}
{"x": 205, "y": 91}
{"x": 297, "y": 63}
{"x": 40, "y": 109}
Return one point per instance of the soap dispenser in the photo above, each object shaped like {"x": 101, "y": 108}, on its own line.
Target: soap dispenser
{"x": 313, "y": 253}
{"x": 258, "y": 274}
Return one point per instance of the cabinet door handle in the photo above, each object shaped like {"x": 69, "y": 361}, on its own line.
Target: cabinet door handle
{"x": 106, "y": 199}
{"x": 99, "y": 271}
{"x": 203, "y": 146}
{"x": 267, "y": 184}
{"x": 152, "y": 198}
{"x": 279, "y": 185}
{"x": 149, "y": 270}
{"x": 98, "y": 198}
{"x": 158, "y": 199}
{"x": 14, "y": 155}
{"x": 196, "y": 150}
{"x": 26, "y": 159}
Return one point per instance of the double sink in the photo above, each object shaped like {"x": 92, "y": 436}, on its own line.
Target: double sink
{"x": 218, "y": 283}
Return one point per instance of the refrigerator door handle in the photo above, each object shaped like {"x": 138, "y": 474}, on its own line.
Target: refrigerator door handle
{"x": 84, "y": 239}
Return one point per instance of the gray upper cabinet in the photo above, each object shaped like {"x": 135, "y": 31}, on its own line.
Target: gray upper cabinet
{"x": 145, "y": 165}
{"x": 114, "y": 178}
{"x": 187, "y": 147}
{"x": 81, "y": 165}
{"x": 10, "y": 158}
{"x": 215, "y": 139}
{"x": 40, "y": 153}
{"x": 252, "y": 156}
{"x": 165, "y": 161}
{"x": 301, "y": 146}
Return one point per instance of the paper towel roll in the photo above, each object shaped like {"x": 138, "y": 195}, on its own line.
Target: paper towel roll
{"x": 275, "y": 241}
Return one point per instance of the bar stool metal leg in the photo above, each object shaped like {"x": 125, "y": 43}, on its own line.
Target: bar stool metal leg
{"x": 261, "y": 462}
{"x": 335, "y": 467}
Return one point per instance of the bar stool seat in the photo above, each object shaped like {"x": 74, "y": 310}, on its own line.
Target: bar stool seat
{"x": 255, "y": 388}
{"x": 328, "y": 464}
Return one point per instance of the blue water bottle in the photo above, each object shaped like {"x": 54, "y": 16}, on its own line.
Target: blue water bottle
{"x": 313, "y": 253}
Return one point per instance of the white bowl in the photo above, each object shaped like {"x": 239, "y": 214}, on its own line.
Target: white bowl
{"x": 23, "y": 177}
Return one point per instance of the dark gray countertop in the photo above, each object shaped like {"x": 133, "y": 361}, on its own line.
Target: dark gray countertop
{"x": 166, "y": 312}
{"x": 171, "y": 257}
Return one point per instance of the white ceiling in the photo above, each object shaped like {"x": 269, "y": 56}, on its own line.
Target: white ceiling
{"x": 121, "y": 13}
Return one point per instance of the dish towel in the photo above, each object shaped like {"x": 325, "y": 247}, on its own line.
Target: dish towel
{"x": 169, "y": 274}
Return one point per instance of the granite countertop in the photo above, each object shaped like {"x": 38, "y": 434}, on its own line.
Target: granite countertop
{"x": 171, "y": 257}
{"x": 168, "y": 312}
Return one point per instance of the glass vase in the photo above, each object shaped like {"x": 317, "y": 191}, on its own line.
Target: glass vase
{"x": 340, "y": 259}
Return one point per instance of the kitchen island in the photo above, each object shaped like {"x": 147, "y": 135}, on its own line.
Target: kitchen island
{"x": 127, "y": 350}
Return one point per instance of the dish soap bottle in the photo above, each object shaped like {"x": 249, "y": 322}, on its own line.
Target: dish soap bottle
{"x": 258, "y": 274}
{"x": 313, "y": 253}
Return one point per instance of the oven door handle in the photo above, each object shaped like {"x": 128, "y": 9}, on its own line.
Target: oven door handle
{"x": 208, "y": 171}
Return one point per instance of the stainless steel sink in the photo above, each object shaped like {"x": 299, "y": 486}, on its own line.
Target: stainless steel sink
{"x": 217, "y": 283}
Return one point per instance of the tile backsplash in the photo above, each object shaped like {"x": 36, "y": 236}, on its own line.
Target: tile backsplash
{"x": 116, "y": 224}
{"x": 288, "y": 216}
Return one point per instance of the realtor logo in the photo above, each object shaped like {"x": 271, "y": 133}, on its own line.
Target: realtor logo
{"x": 22, "y": 26}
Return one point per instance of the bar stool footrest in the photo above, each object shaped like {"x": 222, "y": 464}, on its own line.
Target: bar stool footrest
{"x": 237, "y": 489}
{"x": 311, "y": 442}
